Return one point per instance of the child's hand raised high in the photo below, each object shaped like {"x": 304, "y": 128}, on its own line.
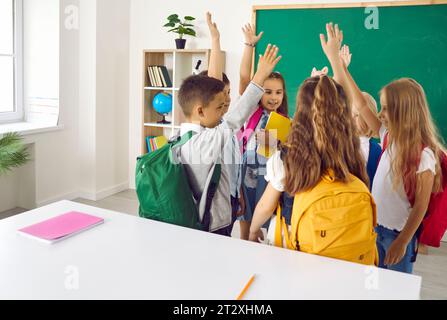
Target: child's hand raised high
{"x": 267, "y": 64}
{"x": 212, "y": 26}
{"x": 345, "y": 55}
{"x": 251, "y": 38}
{"x": 332, "y": 46}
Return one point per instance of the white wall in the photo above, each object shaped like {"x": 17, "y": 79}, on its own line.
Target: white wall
{"x": 104, "y": 98}
{"x": 112, "y": 98}
{"x": 89, "y": 156}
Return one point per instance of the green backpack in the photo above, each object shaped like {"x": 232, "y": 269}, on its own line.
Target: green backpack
{"x": 163, "y": 189}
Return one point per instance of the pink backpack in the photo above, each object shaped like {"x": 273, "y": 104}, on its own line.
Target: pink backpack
{"x": 434, "y": 225}
{"x": 244, "y": 134}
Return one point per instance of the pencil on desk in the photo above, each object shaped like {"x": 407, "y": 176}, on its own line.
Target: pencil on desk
{"x": 247, "y": 286}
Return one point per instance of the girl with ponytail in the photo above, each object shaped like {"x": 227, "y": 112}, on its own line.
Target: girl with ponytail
{"x": 323, "y": 139}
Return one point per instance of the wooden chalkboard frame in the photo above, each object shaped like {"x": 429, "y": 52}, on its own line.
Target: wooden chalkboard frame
{"x": 338, "y": 5}
{"x": 348, "y": 5}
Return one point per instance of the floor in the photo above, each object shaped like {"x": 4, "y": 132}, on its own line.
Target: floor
{"x": 432, "y": 267}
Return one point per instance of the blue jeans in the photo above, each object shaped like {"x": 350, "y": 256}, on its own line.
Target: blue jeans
{"x": 385, "y": 237}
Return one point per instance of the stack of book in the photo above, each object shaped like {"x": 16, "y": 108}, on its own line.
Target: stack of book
{"x": 159, "y": 77}
{"x": 155, "y": 143}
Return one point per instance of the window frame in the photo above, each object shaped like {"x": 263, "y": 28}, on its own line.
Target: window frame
{"x": 18, "y": 114}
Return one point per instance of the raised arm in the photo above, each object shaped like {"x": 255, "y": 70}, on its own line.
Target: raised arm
{"x": 215, "y": 68}
{"x": 247, "y": 104}
{"x": 264, "y": 211}
{"x": 424, "y": 187}
{"x": 331, "y": 48}
{"x": 251, "y": 39}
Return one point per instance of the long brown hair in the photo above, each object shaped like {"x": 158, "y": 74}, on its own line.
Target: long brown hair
{"x": 323, "y": 138}
{"x": 411, "y": 129}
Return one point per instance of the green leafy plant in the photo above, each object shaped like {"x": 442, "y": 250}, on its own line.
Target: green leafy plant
{"x": 181, "y": 27}
{"x": 13, "y": 153}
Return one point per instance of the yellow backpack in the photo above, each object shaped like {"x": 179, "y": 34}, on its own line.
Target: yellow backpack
{"x": 335, "y": 220}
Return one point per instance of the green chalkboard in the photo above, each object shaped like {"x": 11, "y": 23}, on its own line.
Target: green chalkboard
{"x": 411, "y": 41}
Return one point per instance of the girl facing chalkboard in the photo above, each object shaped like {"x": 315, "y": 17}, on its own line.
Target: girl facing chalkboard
{"x": 253, "y": 133}
{"x": 409, "y": 168}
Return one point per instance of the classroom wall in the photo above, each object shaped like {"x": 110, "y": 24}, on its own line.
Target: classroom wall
{"x": 103, "y": 97}
{"x": 146, "y": 32}
{"x": 55, "y": 167}
{"x": 112, "y": 98}
{"x": 89, "y": 156}
{"x": 104, "y": 111}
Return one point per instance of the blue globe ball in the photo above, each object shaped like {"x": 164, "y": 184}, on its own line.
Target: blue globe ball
{"x": 162, "y": 103}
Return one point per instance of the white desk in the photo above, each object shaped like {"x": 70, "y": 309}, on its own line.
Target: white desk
{"x": 132, "y": 258}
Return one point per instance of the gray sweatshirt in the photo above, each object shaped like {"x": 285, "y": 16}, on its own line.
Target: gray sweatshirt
{"x": 205, "y": 149}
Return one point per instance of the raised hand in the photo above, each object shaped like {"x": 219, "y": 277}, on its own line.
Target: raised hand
{"x": 212, "y": 26}
{"x": 332, "y": 45}
{"x": 345, "y": 55}
{"x": 318, "y": 73}
{"x": 267, "y": 64}
{"x": 250, "y": 35}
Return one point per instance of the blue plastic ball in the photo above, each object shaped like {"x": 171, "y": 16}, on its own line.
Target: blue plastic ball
{"x": 162, "y": 103}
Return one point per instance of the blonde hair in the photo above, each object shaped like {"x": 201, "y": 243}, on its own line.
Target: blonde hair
{"x": 323, "y": 138}
{"x": 362, "y": 126}
{"x": 411, "y": 129}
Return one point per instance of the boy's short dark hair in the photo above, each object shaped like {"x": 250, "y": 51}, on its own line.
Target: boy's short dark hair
{"x": 224, "y": 77}
{"x": 198, "y": 90}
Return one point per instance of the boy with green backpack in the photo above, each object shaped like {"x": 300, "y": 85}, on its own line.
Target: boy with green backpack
{"x": 187, "y": 182}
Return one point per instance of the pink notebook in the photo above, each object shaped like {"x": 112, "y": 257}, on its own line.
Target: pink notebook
{"x": 61, "y": 227}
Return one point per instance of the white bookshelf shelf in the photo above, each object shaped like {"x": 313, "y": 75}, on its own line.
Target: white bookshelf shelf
{"x": 161, "y": 89}
{"x": 158, "y": 125}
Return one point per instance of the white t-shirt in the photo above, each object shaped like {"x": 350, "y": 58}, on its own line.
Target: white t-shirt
{"x": 364, "y": 147}
{"x": 276, "y": 172}
{"x": 393, "y": 207}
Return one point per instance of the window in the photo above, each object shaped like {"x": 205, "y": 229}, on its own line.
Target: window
{"x": 11, "y": 74}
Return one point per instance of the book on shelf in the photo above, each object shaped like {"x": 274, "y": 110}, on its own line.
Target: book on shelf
{"x": 151, "y": 77}
{"x": 159, "y": 77}
{"x": 155, "y": 143}
{"x": 166, "y": 76}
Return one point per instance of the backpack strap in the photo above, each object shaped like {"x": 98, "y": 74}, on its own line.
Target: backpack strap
{"x": 375, "y": 153}
{"x": 384, "y": 147}
{"x": 211, "y": 192}
{"x": 244, "y": 134}
{"x": 178, "y": 142}
{"x": 281, "y": 230}
{"x": 299, "y": 207}
{"x": 181, "y": 140}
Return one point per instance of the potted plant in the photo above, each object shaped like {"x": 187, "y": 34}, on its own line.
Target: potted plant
{"x": 181, "y": 27}
{"x": 13, "y": 153}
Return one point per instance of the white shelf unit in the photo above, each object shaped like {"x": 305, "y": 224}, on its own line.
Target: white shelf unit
{"x": 180, "y": 65}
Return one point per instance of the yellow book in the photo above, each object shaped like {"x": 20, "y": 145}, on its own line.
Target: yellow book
{"x": 278, "y": 127}
{"x": 160, "y": 141}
